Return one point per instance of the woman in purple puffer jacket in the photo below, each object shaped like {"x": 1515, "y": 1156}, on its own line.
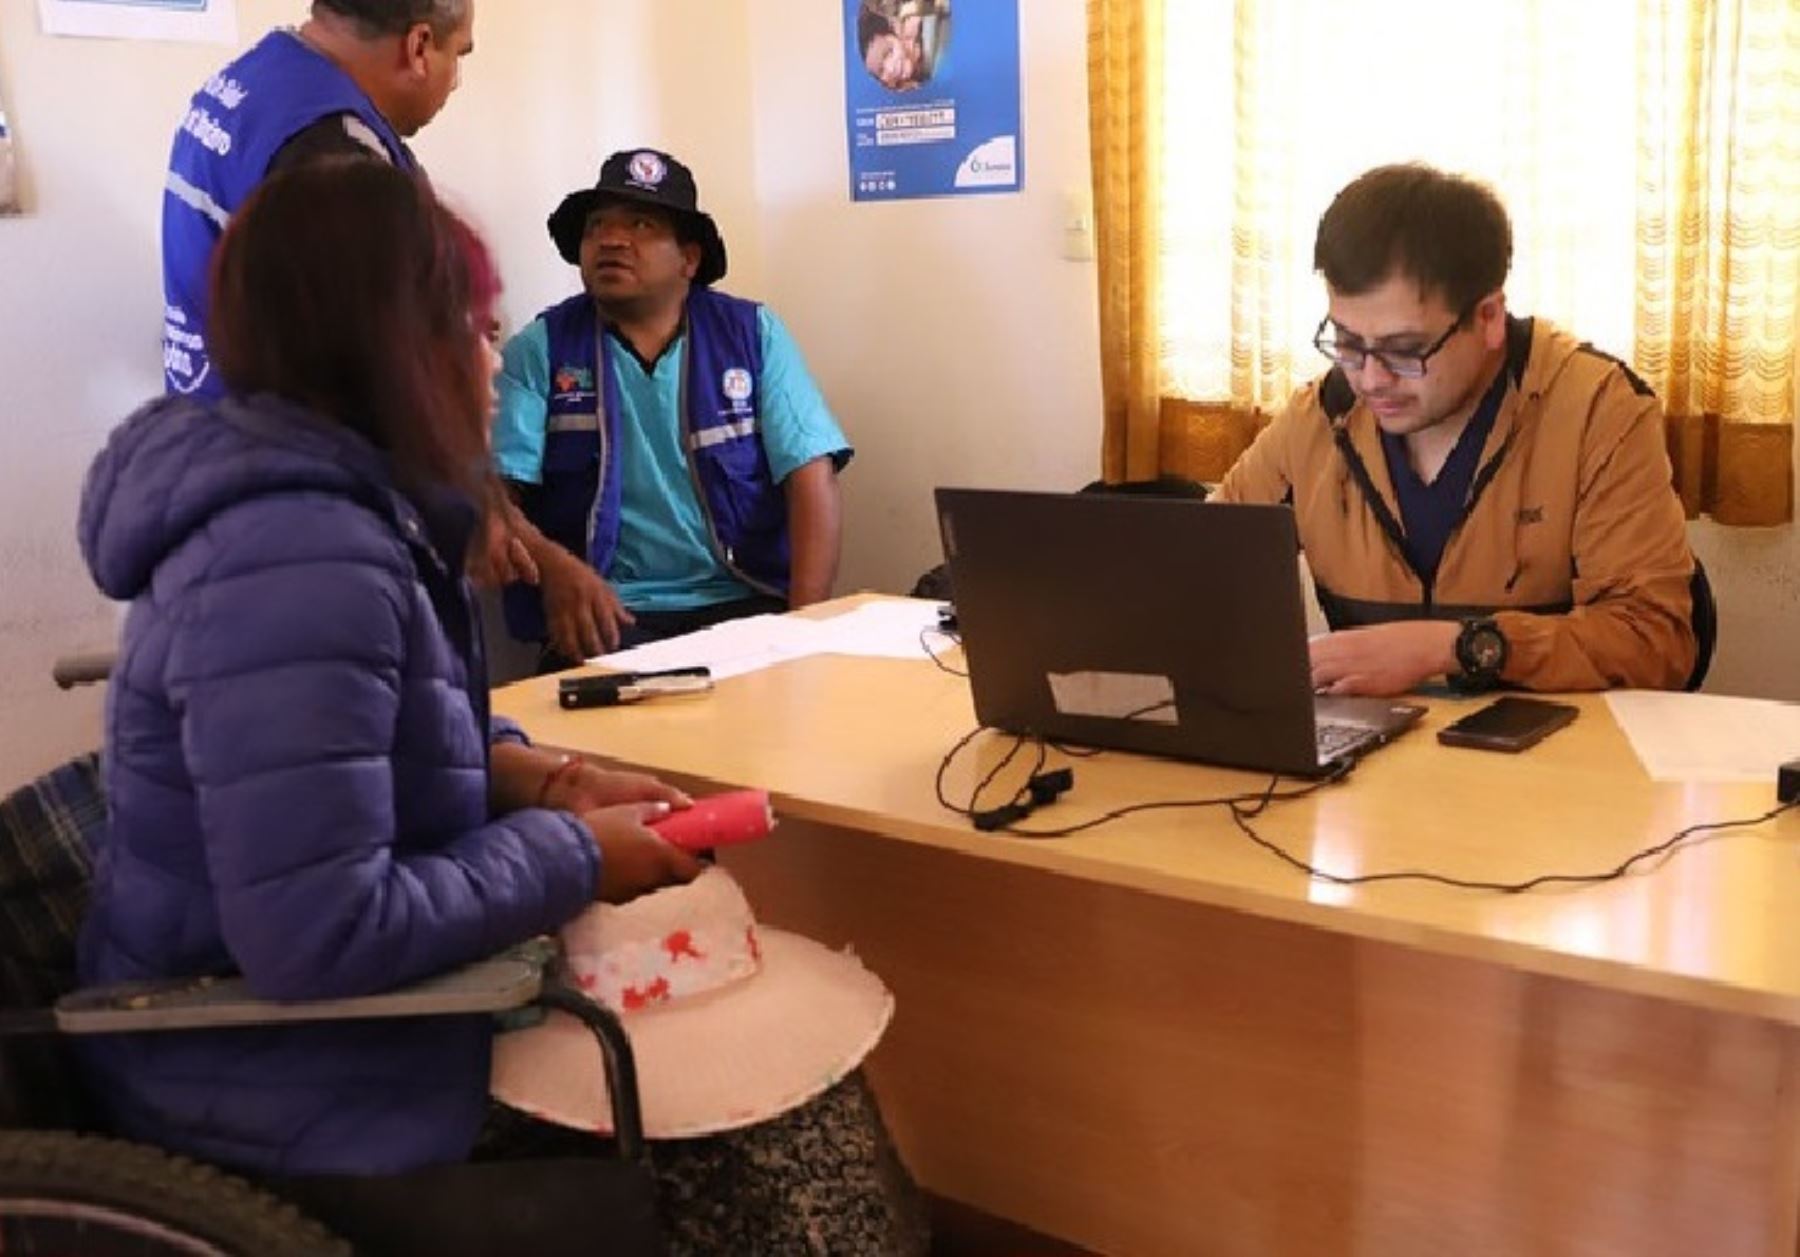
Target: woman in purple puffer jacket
{"x": 306, "y": 786}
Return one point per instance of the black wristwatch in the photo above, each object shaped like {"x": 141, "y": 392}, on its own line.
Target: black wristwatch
{"x": 1480, "y": 653}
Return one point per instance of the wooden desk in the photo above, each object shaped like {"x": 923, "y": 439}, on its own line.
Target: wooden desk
{"x": 1155, "y": 1038}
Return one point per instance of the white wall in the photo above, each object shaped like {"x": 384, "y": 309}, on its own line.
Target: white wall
{"x": 80, "y": 311}
{"x": 1755, "y": 574}
{"x": 951, "y": 338}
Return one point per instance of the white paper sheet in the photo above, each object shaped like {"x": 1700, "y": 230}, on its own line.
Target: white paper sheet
{"x": 729, "y": 649}
{"x": 1707, "y": 737}
{"x": 888, "y": 629}
{"x": 196, "y": 21}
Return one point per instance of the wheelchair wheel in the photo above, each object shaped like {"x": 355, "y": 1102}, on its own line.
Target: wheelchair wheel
{"x": 78, "y": 1196}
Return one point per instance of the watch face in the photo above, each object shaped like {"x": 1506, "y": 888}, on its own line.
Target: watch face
{"x": 1481, "y": 649}
{"x": 1487, "y": 648}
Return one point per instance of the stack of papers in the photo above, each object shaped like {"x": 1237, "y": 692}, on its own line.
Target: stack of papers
{"x": 889, "y": 629}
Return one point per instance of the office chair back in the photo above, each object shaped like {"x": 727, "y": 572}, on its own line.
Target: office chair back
{"x": 1706, "y": 624}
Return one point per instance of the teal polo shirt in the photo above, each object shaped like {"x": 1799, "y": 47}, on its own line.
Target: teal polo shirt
{"x": 665, "y": 560}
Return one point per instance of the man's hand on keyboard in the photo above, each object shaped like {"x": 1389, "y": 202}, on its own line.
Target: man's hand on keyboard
{"x": 1383, "y": 659}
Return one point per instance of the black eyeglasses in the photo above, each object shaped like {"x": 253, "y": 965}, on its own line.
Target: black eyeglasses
{"x": 1408, "y": 364}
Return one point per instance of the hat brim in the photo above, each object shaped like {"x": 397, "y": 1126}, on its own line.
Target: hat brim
{"x": 569, "y": 221}
{"x": 716, "y": 1062}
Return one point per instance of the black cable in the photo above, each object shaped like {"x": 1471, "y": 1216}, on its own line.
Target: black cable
{"x": 933, "y": 655}
{"x": 994, "y": 772}
{"x": 973, "y": 808}
{"x": 1665, "y": 847}
{"x": 1044, "y": 746}
{"x": 1247, "y": 806}
{"x": 975, "y": 795}
{"x": 1250, "y": 803}
{"x": 1088, "y": 752}
{"x": 944, "y": 767}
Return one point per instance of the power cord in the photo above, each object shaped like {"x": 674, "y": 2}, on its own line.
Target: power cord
{"x": 1073, "y": 752}
{"x": 925, "y": 645}
{"x": 1667, "y": 846}
{"x": 1041, "y": 787}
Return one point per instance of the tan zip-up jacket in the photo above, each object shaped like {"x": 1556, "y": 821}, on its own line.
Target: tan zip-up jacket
{"x": 1572, "y": 537}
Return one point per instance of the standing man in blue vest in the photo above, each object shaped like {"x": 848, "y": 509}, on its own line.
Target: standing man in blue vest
{"x": 675, "y": 463}
{"x": 353, "y": 81}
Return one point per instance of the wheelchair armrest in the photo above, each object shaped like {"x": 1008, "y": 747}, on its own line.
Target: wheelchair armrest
{"x": 527, "y": 976}
{"x": 507, "y": 981}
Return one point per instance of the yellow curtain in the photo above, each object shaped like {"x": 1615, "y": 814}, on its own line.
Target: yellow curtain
{"x": 1689, "y": 238}
{"x": 1124, "y": 76}
{"x": 1718, "y": 272}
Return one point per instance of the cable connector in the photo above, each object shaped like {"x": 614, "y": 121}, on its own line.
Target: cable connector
{"x": 1000, "y": 817}
{"x": 1787, "y": 782}
{"x": 1042, "y": 788}
{"x": 1045, "y": 787}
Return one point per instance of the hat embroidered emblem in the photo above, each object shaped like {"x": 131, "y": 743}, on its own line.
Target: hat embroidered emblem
{"x": 737, "y": 384}
{"x": 648, "y": 169}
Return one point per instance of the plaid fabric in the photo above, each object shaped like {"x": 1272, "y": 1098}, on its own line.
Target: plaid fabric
{"x": 47, "y": 833}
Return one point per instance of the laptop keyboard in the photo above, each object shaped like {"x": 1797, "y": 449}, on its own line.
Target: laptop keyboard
{"x": 1335, "y": 739}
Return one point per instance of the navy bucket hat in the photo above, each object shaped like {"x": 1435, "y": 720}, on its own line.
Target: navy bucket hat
{"x": 646, "y": 177}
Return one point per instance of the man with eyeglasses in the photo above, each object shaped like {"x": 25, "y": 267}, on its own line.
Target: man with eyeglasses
{"x": 1480, "y": 497}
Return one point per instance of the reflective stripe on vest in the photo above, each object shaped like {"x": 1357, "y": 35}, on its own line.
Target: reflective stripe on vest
{"x": 721, "y": 433}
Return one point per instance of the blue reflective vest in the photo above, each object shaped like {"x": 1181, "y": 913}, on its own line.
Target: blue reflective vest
{"x": 233, "y": 128}
{"x": 578, "y": 504}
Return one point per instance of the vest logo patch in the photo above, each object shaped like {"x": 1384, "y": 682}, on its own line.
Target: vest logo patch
{"x": 574, "y": 380}
{"x": 1531, "y": 514}
{"x": 738, "y": 385}
{"x": 648, "y": 169}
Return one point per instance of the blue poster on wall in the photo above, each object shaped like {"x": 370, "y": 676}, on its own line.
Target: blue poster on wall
{"x": 932, "y": 89}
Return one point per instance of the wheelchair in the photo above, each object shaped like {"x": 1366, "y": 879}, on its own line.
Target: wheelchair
{"x": 70, "y": 1189}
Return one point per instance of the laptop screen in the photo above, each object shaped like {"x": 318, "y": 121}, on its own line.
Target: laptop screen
{"x": 1145, "y": 624}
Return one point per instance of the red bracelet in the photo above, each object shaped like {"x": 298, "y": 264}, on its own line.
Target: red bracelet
{"x": 569, "y": 764}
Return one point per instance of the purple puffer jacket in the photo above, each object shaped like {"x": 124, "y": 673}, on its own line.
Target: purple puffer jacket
{"x": 296, "y": 765}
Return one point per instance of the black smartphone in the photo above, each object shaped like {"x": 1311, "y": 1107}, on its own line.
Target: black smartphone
{"x": 1508, "y": 724}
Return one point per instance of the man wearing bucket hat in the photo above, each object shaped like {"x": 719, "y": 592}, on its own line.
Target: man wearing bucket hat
{"x": 675, "y": 462}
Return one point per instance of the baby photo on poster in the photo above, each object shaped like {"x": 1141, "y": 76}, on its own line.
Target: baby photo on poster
{"x": 932, "y": 94}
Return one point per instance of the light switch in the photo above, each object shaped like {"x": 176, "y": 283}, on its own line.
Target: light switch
{"x": 1078, "y": 225}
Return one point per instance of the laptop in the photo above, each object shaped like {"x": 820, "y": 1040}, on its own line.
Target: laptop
{"x": 1144, "y": 624}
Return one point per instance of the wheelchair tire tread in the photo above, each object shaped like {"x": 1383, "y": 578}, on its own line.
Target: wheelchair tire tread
{"x": 170, "y": 1190}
